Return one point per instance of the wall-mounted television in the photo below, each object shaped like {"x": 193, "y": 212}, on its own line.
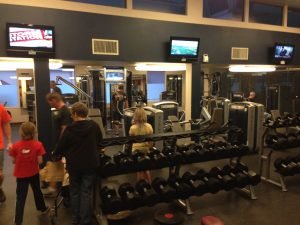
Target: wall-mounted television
{"x": 184, "y": 48}
{"x": 283, "y": 52}
{"x": 115, "y": 75}
{"x": 30, "y": 40}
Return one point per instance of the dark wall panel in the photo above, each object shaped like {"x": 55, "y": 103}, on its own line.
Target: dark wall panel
{"x": 140, "y": 39}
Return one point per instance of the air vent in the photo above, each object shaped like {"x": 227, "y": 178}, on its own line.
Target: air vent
{"x": 239, "y": 53}
{"x": 105, "y": 47}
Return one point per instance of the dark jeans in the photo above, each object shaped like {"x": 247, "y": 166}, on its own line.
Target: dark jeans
{"x": 81, "y": 188}
{"x": 22, "y": 190}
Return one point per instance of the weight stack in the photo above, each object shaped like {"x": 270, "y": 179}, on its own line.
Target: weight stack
{"x": 154, "y": 117}
{"x": 249, "y": 117}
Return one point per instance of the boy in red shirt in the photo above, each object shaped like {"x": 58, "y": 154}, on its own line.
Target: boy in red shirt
{"x": 27, "y": 155}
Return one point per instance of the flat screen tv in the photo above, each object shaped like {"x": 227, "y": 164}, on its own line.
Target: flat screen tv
{"x": 115, "y": 76}
{"x": 30, "y": 40}
{"x": 184, "y": 48}
{"x": 283, "y": 52}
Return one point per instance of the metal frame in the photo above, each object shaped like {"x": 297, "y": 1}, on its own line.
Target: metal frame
{"x": 265, "y": 175}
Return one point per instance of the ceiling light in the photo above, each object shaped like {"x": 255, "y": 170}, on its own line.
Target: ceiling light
{"x": 251, "y": 68}
{"x": 24, "y": 78}
{"x": 13, "y": 64}
{"x": 160, "y": 67}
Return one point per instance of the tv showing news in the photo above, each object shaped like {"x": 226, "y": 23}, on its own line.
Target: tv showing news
{"x": 284, "y": 51}
{"x": 184, "y": 48}
{"x": 30, "y": 39}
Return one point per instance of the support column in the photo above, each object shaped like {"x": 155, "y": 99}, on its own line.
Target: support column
{"x": 197, "y": 89}
{"x": 43, "y": 113}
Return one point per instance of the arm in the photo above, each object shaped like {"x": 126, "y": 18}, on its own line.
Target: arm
{"x": 40, "y": 159}
{"x": 7, "y": 132}
{"x": 61, "y": 145}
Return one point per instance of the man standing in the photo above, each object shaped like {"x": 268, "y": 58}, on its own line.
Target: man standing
{"x": 5, "y": 130}
{"x": 119, "y": 103}
{"x": 61, "y": 117}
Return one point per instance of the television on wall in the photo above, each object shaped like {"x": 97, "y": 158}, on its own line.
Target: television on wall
{"x": 184, "y": 48}
{"x": 30, "y": 40}
{"x": 283, "y": 52}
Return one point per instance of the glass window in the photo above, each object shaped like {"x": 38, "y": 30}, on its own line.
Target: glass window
{"x": 67, "y": 75}
{"x": 9, "y": 89}
{"x": 224, "y": 9}
{"x": 293, "y": 17}
{"x": 168, "y": 6}
{"x": 264, "y": 13}
{"x": 115, "y": 3}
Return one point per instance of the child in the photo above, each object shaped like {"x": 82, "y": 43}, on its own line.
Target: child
{"x": 141, "y": 127}
{"x": 27, "y": 155}
{"x": 80, "y": 143}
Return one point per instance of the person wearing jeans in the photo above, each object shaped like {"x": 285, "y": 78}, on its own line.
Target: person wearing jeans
{"x": 80, "y": 145}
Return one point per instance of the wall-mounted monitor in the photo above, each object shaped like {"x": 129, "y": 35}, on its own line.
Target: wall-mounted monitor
{"x": 116, "y": 75}
{"x": 184, "y": 48}
{"x": 284, "y": 52}
{"x": 30, "y": 40}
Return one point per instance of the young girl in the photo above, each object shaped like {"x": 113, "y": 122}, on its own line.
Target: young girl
{"x": 27, "y": 155}
{"x": 141, "y": 127}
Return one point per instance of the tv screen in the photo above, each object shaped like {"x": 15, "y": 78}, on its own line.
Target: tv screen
{"x": 30, "y": 39}
{"x": 284, "y": 51}
{"x": 184, "y": 48}
{"x": 115, "y": 76}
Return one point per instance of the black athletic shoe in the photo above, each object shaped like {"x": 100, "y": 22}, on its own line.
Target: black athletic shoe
{"x": 2, "y": 196}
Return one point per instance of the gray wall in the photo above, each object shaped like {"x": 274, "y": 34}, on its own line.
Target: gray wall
{"x": 140, "y": 39}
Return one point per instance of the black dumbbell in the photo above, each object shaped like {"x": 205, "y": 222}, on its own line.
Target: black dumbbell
{"x": 213, "y": 184}
{"x": 107, "y": 166}
{"x": 189, "y": 154}
{"x": 121, "y": 158}
{"x": 183, "y": 190}
{"x": 148, "y": 195}
{"x": 269, "y": 123}
{"x": 143, "y": 162}
{"x": 199, "y": 187}
{"x": 292, "y": 140}
{"x": 203, "y": 153}
{"x": 291, "y": 121}
{"x": 175, "y": 158}
{"x": 276, "y": 142}
{"x": 227, "y": 182}
{"x": 254, "y": 178}
{"x": 129, "y": 197}
{"x": 161, "y": 186}
{"x": 285, "y": 166}
{"x": 111, "y": 202}
{"x": 279, "y": 122}
{"x": 241, "y": 180}
{"x": 159, "y": 160}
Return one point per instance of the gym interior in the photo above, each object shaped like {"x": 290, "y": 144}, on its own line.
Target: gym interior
{"x": 217, "y": 79}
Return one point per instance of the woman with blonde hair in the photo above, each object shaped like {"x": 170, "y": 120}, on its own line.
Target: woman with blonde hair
{"x": 141, "y": 127}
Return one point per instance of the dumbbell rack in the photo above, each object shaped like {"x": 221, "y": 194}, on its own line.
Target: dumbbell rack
{"x": 266, "y": 158}
{"x": 100, "y": 217}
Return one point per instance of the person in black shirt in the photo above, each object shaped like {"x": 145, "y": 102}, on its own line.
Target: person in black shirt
{"x": 80, "y": 145}
{"x": 54, "y": 88}
{"x": 61, "y": 117}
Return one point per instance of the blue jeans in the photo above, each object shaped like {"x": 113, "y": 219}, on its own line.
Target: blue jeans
{"x": 81, "y": 188}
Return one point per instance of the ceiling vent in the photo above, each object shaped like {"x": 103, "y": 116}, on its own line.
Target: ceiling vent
{"x": 105, "y": 47}
{"x": 239, "y": 53}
